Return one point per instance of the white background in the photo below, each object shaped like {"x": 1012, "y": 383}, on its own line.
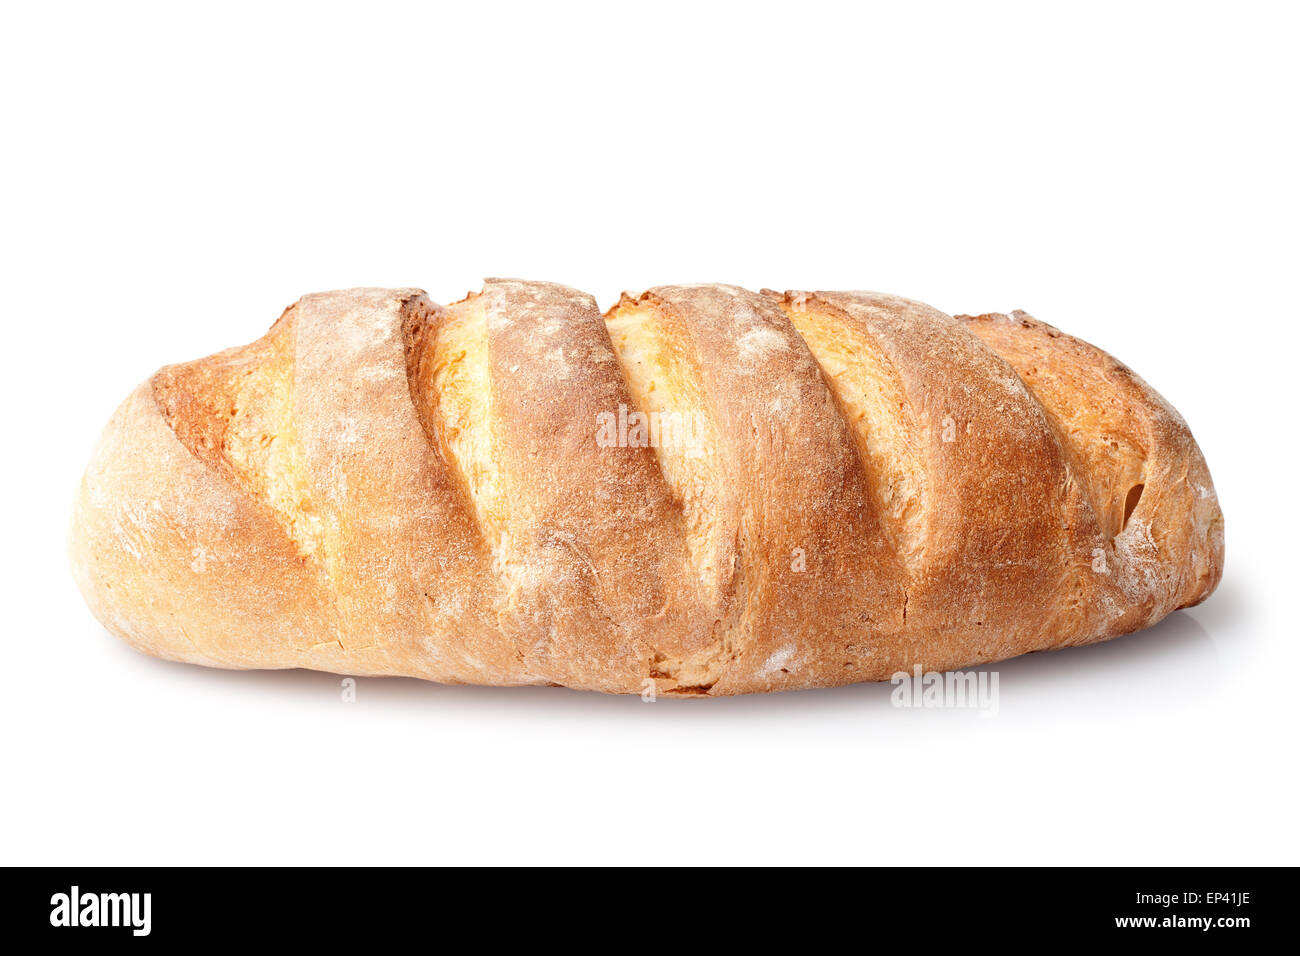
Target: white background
{"x": 171, "y": 180}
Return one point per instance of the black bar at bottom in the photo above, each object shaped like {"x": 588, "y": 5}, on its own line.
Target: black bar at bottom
{"x": 647, "y": 906}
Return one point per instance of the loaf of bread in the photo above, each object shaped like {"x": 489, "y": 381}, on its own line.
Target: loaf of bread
{"x": 704, "y": 491}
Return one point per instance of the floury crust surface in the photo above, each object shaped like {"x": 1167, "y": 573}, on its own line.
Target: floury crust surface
{"x": 385, "y": 486}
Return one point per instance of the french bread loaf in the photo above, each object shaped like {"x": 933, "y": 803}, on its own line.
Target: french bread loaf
{"x": 705, "y": 491}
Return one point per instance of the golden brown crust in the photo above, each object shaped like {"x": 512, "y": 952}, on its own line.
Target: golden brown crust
{"x": 1143, "y": 472}
{"x": 705, "y": 491}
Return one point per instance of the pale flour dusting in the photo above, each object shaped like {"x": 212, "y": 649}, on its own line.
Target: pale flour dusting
{"x": 759, "y": 342}
{"x": 777, "y": 661}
